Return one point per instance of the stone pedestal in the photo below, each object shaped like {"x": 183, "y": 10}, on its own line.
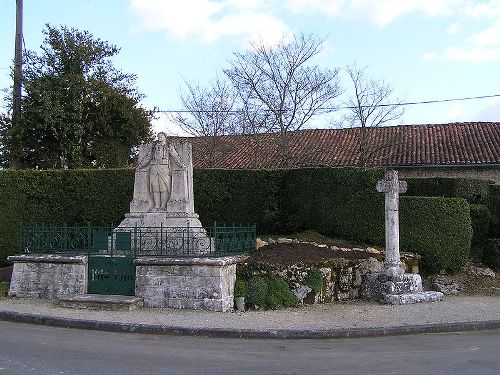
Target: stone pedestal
{"x": 196, "y": 283}
{"x": 48, "y": 275}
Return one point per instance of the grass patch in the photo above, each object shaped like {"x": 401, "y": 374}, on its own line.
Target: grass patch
{"x": 4, "y": 288}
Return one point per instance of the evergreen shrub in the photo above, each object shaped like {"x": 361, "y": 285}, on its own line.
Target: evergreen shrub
{"x": 491, "y": 253}
{"x": 269, "y": 292}
{"x": 437, "y": 228}
{"x": 494, "y": 208}
{"x": 480, "y": 218}
{"x": 473, "y": 190}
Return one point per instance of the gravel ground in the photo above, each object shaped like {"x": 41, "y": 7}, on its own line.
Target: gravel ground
{"x": 454, "y": 309}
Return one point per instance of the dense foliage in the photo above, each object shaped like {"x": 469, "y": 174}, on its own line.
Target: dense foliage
{"x": 491, "y": 255}
{"x": 78, "y": 110}
{"x": 437, "y": 228}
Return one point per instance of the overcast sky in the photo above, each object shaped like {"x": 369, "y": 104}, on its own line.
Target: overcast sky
{"x": 427, "y": 49}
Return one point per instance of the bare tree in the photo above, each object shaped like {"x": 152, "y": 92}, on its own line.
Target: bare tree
{"x": 370, "y": 105}
{"x": 278, "y": 83}
{"x": 209, "y": 112}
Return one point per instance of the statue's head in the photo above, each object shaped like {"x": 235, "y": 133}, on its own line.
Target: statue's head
{"x": 162, "y": 137}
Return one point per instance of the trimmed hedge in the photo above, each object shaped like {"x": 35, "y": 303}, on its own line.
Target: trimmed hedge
{"x": 437, "y": 228}
{"x": 480, "y": 218}
{"x": 238, "y": 196}
{"x": 473, "y": 190}
{"x": 100, "y": 197}
{"x": 339, "y": 202}
{"x": 494, "y": 208}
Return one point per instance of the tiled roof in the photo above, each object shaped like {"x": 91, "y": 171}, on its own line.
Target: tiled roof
{"x": 474, "y": 143}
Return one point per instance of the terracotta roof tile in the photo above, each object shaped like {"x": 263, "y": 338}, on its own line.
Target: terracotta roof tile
{"x": 473, "y": 143}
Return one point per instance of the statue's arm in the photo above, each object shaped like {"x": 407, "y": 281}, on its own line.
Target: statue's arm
{"x": 146, "y": 159}
{"x": 177, "y": 158}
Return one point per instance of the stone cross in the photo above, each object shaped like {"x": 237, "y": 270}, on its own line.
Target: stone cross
{"x": 391, "y": 186}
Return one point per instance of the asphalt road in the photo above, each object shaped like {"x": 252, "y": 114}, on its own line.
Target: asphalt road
{"x": 31, "y": 349}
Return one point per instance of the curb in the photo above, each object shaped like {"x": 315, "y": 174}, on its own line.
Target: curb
{"x": 247, "y": 333}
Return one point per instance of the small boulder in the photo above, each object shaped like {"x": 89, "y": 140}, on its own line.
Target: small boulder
{"x": 445, "y": 285}
{"x": 259, "y": 243}
{"x": 372, "y": 250}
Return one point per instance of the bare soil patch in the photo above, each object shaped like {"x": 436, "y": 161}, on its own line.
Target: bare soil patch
{"x": 287, "y": 254}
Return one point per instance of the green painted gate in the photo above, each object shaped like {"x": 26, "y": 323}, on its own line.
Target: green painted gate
{"x": 111, "y": 272}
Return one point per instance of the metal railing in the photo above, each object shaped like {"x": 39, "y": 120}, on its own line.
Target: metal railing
{"x": 214, "y": 241}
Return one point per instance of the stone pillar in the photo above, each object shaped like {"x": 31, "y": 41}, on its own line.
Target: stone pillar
{"x": 391, "y": 186}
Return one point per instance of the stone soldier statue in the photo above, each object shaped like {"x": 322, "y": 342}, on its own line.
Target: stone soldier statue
{"x": 158, "y": 161}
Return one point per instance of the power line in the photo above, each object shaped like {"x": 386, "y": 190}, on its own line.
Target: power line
{"x": 333, "y": 109}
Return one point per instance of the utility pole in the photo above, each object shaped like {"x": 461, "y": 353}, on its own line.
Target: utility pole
{"x": 18, "y": 63}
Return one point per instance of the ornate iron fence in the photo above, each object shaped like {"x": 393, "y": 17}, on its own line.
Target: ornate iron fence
{"x": 187, "y": 241}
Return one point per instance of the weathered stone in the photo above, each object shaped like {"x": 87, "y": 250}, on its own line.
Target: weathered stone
{"x": 163, "y": 197}
{"x": 484, "y": 272}
{"x": 101, "y": 302}
{"x": 301, "y": 292}
{"x": 323, "y": 246}
{"x": 199, "y": 283}
{"x": 370, "y": 265}
{"x": 376, "y": 286}
{"x": 259, "y": 243}
{"x": 345, "y": 278}
{"x": 284, "y": 240}
{"x": 408, "y": 298}
{"x": 48, "y": 276}
{"x": 372, "y": 250}
{"x": 445, "y": 285}
{"x": 335, "y": 248}
{"x": 391, "y": 186}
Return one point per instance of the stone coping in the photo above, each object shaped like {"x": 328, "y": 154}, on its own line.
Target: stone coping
{"x": 167, "y": 261}
{"x": 48, "y": 258}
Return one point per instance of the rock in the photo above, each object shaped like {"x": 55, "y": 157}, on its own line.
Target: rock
{"x": 357, "y": 249}
{"x": 484, "y": 272}
{"x": 372, "y": 250}
{"x": 335, "y": 248}
{"x": 407, "y": 298}
{"x": 296, "y": 241}
{"x": 345, "y": 249}
{"x": 370, "y": 265}
{"x": 284, "y": 240}
{"x": 259, "y": 243}
{"x": 445, "y": 285}
{"x": 322, "y": 245}
{"x": 271, "y": 241}
{"x": 301, "y": 292}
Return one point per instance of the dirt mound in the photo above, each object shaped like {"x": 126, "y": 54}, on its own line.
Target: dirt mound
{"x": 287, "y": 254}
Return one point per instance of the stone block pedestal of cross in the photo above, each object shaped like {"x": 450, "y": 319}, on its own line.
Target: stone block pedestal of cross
{"x": 393, "y": 285}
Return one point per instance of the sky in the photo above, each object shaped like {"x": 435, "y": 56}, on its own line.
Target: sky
{"x": 425, "y": 49}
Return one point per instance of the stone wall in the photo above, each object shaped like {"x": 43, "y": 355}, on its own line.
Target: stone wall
{"x": 48, "y": 276}
{"x": 492, "y": 174}
{"x": 199, "y": 283}
{"x": 342, "y": 279}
